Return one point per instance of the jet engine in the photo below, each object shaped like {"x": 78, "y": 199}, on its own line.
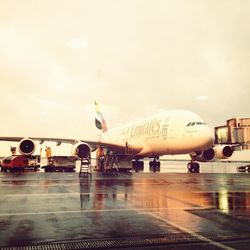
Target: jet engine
{"x": 26, "y": 146}
{"x": 223, "y": 152}
{"x": 218, "y": 152}
{"x": 81, "y": 150}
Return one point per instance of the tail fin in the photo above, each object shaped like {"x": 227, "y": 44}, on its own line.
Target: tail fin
{"x": 99, "y": 119}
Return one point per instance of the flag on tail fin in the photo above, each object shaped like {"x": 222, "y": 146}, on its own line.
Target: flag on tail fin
{"x": 99, "y": 120}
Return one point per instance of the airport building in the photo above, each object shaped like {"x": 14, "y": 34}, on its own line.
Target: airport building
{"x": 236, "y": 131}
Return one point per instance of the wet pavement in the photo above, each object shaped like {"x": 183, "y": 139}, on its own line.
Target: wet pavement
{"x": 134, "y": 210}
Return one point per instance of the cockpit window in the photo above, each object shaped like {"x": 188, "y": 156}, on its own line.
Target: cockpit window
{"x": 195, "y": 123}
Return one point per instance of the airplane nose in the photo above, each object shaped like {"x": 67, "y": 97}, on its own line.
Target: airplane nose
{"x": 209, "y": 137}
{"x": 204, "y": 138}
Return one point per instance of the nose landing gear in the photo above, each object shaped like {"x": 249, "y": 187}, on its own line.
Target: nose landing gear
{"x": 193, "y": 167}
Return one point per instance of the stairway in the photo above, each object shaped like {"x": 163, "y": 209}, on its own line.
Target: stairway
{"x": 85, "y": 168}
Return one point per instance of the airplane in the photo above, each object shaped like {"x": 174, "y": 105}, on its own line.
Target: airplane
{"x": 165, "y": 133}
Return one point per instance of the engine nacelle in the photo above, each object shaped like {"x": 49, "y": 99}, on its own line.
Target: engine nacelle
{"x": 203, "y": 156}
{"x": 223, "y": 152}
{"x": 217, "y": 152}
{"x": 26, "y": 146}
{"x": 81, "y": 150}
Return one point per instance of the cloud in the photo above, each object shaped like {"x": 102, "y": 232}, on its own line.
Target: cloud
{"x": 78, "y": 43}
{"x": 201, "y": 98}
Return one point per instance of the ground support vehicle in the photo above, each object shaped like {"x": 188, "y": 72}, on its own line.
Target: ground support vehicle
{"x": 20, "y": 163}
{"x": 60, "y": 164}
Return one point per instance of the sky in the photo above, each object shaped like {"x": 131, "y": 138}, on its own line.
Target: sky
{"x": 134, "y": 57}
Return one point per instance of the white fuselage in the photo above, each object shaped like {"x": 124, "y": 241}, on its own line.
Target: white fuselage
{"x": 169, "y": 132}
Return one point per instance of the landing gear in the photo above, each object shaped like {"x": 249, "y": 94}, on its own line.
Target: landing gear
{"x": 154, "y": 164}
{"x": 193, "y": 167}
{"x": 137, "y": 165}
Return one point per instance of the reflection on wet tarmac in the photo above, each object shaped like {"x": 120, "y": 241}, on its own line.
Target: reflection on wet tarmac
{"x": 56, "y": 206}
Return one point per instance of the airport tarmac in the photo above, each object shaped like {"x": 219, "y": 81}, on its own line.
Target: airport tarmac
{"x": 138, "y": 210}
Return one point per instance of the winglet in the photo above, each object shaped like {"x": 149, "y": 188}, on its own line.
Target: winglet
{"x": 99, "y": 119}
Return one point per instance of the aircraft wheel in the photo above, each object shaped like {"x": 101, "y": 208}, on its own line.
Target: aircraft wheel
{"x": 138, "y": 165}
{"x": 193, "y": 167}
{"x": 47, "y": 169}
{"x": 196, "y": 167}
{"x": 154, "y": 164}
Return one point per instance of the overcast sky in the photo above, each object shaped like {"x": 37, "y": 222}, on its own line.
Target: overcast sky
{"x": 133, "y": 56}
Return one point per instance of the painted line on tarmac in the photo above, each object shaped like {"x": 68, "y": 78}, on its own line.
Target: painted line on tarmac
{"x": 45, "y": 194}
{"x": 145, "y": 210}
{"x": 194, "y": 234}
{"x": 39, "y": 185}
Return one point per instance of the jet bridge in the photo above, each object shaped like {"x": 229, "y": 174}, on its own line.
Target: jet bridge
{"x": 236, "y": 131}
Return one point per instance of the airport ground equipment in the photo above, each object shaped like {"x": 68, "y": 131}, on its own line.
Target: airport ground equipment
{"x": 85, "y": 167}
{"x": 109, "y": 162}
{"x": 60, "y": 164}
{"x": 20, "y": 163}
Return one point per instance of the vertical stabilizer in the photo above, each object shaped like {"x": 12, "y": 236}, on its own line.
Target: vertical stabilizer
{"x": 99, "y": 119}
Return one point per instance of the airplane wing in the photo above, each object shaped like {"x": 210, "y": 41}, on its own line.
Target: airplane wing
{"x": 93, "y": 144}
